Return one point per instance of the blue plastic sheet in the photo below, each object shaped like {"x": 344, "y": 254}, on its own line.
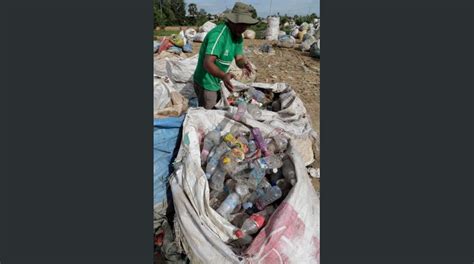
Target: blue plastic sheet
{"x": 166, "y": 141}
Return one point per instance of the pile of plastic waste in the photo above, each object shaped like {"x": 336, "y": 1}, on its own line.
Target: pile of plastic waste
{"x": 248, "y": 175}
{"x": 253, "y": 100}
{"x": 176, "y": 43}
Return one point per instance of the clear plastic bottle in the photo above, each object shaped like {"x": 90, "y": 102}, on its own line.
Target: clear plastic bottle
{"x": 253, "y": 178}
{"x": 254, "y": 111}
{"x": 256, "y": 94}
{"x": 241, "y": 109}
{"x": 288, "y": 171}
{"x": 213, "y": 161}
{"x": 270, "y": 196}
{"x": 269, "y": 162}
{"x": 212, "y": 138}
{"x": 217, "y": 180}
{"x": 261, "y": 144}
{"x": 228, "y": 205}
{"x": 264, "y": 184}
{"x": 251, "y": 226}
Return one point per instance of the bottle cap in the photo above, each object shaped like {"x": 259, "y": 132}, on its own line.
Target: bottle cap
{"x": 258, "y": 219}
{"x": 239, "y": 234}
{"x": 226, "y": 160}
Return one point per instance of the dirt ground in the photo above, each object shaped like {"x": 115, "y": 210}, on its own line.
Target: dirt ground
{"x": 292, "y": 66}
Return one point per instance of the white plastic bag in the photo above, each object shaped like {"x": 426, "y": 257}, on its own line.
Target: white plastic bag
{"x": 291, "y": 235}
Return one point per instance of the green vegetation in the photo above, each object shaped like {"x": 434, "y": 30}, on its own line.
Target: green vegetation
{"x": 162, "y": 32}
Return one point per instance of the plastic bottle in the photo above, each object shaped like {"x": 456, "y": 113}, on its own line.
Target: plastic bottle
{"x": 217, "y": 180}
{"x": 212, "y": 138}
{"x": 270, "y": 196}
{"x": 241, "y": 189}
{"x": 213, "y": 161}
{"x": 264, "y": 184}
{"x": 256, "y": 94}
{"x": 261, "y": 144}
{"x": 288, "y": 171}
{"x": 254, "y": 111}
{"x": 241, "y": 109}
{"x": 251, "y": 226}
{"x": 253, "y": 178}
{"x": 284, "y": 186}
{"x": 228, "y": 205}
{"x": 270, "y": 162}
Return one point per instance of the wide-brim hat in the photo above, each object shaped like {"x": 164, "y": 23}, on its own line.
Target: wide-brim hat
{"x": 241, "y": 13}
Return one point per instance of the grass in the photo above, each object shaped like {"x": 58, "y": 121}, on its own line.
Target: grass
{"x": 161, "y": 33}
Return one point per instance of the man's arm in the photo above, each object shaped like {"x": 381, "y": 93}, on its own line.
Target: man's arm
{"x": 244, "y": 64}
{"x": 211, "y": 67}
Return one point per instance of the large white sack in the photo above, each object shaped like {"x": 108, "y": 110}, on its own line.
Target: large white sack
{"x": 167, "y": 101}
{"x": 292, "y": 233}
{"x": 206, "y": 27}
{"x": 249, "y": 34}
{"x": 190, "y": 33}
{"x": 199, "y": 37}
{"x": 273, "y": 28}
{"x": 177, "y": 69}
{"x": 293, "y": 118}
{"x": 161, "y": 94}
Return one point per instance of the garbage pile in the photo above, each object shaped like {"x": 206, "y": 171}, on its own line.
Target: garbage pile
{"x": 176, "y": 43}
{"x": 248, "y": 175}
{"x": 253, "y": 100}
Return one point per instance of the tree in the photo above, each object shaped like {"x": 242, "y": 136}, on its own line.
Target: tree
{"x": 192, "y": 10}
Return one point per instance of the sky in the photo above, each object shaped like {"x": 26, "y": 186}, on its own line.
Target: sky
{"x": 289, "y": 7}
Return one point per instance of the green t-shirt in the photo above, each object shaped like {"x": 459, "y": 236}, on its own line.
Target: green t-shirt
{"x": 218, "y": 42}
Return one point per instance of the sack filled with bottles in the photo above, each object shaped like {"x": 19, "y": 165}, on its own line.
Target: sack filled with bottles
{"x": 277, "y": 105}
{"x": 241, "y": 193}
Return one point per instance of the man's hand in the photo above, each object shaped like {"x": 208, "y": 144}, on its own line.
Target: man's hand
{"x": 227, "y": 77}
{"x": 248, "y": 69}
{"x": 244, "y": 64}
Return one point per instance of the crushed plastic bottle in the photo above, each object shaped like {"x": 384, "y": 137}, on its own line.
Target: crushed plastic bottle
{"x": 271, "y": 195}
{"x": 241, "y": 109}
{"x": 288, "y": 171}
{"x": 261, "y": 144}
{"x": 210, "y": 140}
{"x": 228, "y": 205}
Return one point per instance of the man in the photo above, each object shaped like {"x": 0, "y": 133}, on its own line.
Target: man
{"x": 220, "y": 46}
